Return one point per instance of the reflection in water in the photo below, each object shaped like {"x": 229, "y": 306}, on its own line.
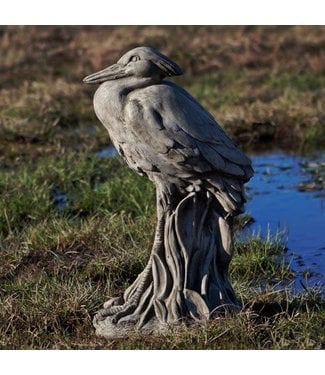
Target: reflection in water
{"x": 275, "y": 202}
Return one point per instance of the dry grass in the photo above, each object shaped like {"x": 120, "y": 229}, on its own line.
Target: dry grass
{"x": 264, "y": 84}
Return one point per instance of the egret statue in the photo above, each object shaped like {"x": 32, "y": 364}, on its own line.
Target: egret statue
{"x": 163, "y": 133}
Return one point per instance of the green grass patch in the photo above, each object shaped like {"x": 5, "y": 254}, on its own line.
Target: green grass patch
{"x": 92, "y": 186}
{"x": 57, "y": 266}
{"x": 260, "y": 262}
{"x": 297, "y": 81}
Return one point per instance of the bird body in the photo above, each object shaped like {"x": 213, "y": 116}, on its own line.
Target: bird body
{"x": 165, "y": 134}
{"x": 172, "y": 138}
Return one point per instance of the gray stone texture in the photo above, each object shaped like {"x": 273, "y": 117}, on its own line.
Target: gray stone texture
{"x": 163, "y": 133}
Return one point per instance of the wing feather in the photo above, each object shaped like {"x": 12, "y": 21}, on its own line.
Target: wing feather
{"x": 181, "y": 131}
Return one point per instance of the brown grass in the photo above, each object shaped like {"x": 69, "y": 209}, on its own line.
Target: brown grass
{"x": 265, "y": 84}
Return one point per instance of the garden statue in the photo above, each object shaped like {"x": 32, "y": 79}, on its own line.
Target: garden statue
{"x": 163, "y": 133}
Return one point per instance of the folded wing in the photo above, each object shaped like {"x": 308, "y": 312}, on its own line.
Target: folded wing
{"x": 178, "y": 137}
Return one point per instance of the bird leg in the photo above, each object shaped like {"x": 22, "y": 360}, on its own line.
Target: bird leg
{"x": 119, "y": 307}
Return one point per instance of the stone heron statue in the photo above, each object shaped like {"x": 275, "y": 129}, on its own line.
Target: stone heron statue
{"x": 163, "y": 133}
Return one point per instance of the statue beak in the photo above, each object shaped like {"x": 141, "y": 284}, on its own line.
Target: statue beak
{"x": 115, "y": 71}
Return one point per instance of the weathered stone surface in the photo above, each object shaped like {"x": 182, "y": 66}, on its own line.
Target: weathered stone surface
{"x": 165, "y": 134}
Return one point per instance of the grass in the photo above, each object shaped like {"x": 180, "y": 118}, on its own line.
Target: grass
{"x": 59, "y": 265}
{"x": 76, "y": 229}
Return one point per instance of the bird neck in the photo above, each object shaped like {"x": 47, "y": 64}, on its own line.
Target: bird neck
{"x": 112, "y": 95}
{"x": 129, "y": 84}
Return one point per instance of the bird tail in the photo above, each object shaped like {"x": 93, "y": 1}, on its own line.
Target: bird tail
{"x": 229, "y": 193}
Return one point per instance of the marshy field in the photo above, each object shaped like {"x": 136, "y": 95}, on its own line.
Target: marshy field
{"x": 76, "y": 225}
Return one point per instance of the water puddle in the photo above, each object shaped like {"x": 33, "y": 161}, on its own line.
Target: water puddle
{"x": 107, "y": 152}
{"x": 287, "y": 193}
{"x": 59, "y": 198}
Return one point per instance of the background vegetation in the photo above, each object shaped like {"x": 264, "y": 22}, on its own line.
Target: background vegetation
{"x": 76, "y": 228}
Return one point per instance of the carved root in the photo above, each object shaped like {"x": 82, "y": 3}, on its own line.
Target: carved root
{"x": 186, "y": 276}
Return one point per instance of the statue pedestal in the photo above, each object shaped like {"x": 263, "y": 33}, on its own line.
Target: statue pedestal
{"x": 186, "y": 276}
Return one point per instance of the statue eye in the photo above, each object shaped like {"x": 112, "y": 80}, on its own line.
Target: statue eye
{"x": 134, "y": 58}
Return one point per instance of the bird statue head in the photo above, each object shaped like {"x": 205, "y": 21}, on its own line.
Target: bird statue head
{"x": 141, "y": 62}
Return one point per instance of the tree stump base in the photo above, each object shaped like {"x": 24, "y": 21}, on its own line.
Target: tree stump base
{"x": 186, "y": 276}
